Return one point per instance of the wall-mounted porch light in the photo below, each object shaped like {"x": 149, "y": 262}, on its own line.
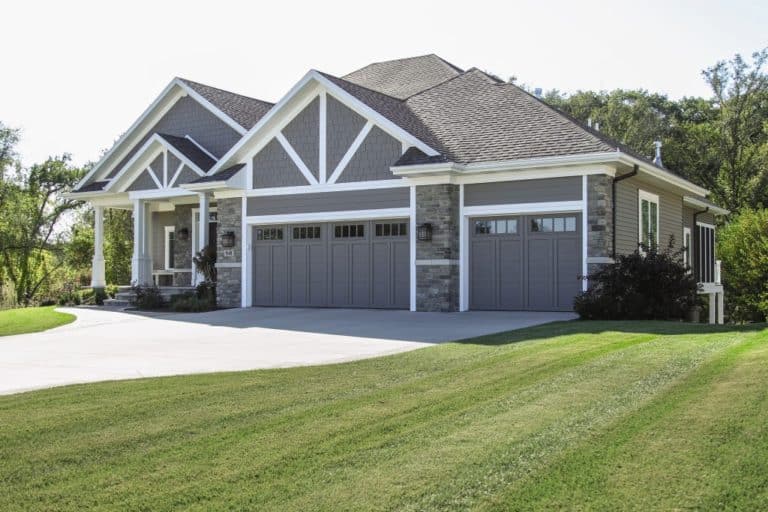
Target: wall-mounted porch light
{"x": 183, "y": 234}
{"x": 228, "y": 239}
{"x": 424, "y": 232}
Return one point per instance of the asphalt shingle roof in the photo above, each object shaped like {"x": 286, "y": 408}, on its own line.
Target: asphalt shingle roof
{"x": 222, "y": 175}
{"x": 189, "y": 149}
{"x": 402, "y": 78}
{"x": 244, "y": 110}
{"x": 94, "y": 186}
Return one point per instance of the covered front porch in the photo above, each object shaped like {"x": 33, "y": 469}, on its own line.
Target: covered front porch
{"x": 167, "y": 233}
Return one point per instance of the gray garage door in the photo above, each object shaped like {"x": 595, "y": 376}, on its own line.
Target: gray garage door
{"x": 525, "y": 262}
{"x": 347, "y": 264}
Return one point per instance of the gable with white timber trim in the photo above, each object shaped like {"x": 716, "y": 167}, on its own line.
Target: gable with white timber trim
{"x": 156, "y": 166}
{"x": 310, "y": 87}
{"x": 325, "y": 142}
{"x": 173, "y": 112}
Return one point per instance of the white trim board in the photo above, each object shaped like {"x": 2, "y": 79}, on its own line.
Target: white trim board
{"x": 383, "y": 213}
{"x": 644, "y": 195}
{"x": 166, "y": 231}
{"x": 326, "y": 187}
{"x": 524, "y": 208}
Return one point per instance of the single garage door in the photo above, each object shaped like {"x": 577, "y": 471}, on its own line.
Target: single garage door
{"x": 347, "y": 264}
{"x": 525, "y": 262}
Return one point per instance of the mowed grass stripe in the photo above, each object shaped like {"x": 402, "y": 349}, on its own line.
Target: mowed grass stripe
{"x": 444, "y": 427}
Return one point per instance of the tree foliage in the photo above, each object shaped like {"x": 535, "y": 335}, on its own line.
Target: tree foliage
{"x": 743, "y": 248}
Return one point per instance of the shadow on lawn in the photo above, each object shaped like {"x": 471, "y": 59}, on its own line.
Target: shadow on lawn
{"x": 664, "y": 328}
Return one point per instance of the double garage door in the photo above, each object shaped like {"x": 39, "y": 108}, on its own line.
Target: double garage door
{"x": 525, "y": 262}
{"x": 348, "y": 264}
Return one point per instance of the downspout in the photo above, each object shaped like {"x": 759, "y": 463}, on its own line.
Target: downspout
{"x": 695, "y": 243}
{"x": 613, "y": 205}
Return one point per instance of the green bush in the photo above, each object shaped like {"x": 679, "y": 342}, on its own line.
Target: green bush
{"x": 147, "y": 297}
{"x": 202, "y": 299}
{"x": 651, "y": 286}
{"x": 69, "y": 298}
{"x": 111, "y": 290}
{"x": 742, "y": 245}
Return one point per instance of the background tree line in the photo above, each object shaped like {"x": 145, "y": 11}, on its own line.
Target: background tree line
{"x": 719, "y": 142}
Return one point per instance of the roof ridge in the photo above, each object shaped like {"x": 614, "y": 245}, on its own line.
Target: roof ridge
{"x": 463, "y": 73}
{"x": 361, "y": 86}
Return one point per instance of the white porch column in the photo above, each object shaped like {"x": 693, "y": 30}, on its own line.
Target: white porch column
{"x": 202, "y": 234}
{"x": 721, "y": 308}
{"x": 98, "y": 279}
{"x": 712, "y": 307}
{"x": 141, "y": 264}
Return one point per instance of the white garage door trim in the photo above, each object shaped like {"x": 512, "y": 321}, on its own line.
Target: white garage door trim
{"x": 465, "y": 212}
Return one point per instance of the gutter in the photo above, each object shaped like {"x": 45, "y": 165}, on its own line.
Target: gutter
{"x": 617, "y": 179}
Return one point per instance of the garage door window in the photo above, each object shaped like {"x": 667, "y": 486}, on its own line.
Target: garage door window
{"x": 306, "y": 232}
{"x": 392, "y": 229}
{"x": 349, "y": 231}
{"x": 496, "y": 227}
{"x": 553, "y": 225}
{"x": 269, "y": 234}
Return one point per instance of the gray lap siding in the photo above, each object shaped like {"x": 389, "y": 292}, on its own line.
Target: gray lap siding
{"x": 627, "y": 215}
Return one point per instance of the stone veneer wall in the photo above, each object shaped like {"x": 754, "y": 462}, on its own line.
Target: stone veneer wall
{"x": 437, "y": 283}
{"x": 182, "y": 253}
{"x": 599, "y": 220}
{"x": 229, "y": 259}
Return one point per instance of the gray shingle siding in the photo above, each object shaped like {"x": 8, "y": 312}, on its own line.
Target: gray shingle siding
{"x": 303, "y": 133}
{"x": 188, "y": 117}
{"x": 373, "y": 158}
{"x": 670, "y": 215}
{"x": 272, "y": 167}
{"x": 343, "y": 125}
{"x": 143, "y": 182}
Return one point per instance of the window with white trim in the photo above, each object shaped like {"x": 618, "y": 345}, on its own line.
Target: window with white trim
{"x": 687, "y": 248}
{"x": 170, "y": 245}
{"x": 648, "y": 219}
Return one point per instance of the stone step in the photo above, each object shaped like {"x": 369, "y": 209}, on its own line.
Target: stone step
{"x": 116, "y": 303}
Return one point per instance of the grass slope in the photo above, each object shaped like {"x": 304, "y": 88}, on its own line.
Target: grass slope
{"x": 571, "y": 415}
{"x": 24, "y": 320}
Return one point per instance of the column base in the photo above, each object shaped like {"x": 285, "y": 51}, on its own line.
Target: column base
{"x": 141, "y": 271}
{"x": 98, "y": 274}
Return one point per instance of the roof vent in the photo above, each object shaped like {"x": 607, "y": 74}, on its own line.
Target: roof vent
{"x": 657, "y": 158}
{"x": 537, "y": 92}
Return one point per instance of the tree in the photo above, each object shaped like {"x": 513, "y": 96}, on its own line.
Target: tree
{"x": 741, "y": 129}
{"x": 743, "y": 247}
{"x": 30, "y": 211}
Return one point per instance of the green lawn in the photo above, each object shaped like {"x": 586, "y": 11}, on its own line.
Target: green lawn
{"x": 577, "y": 415}
{"x": 24, "y": 320}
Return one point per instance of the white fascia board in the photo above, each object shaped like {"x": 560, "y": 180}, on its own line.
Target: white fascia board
{"x": 697, "y": 203}
{"x": 159, "y": 194}
{"x": 235, "y": 152}
{"x": 663, "y": 175}
{"x": 326, "y": 187}
{"x": 157, "y": 109}
{"x": 235, "y": 182}
{"x": 524, "y": 208}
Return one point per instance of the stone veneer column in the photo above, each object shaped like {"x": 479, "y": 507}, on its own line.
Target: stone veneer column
{"x": 599, "y": 220}
{"x": 228, "y": 259}
{"x": 182, "y": 252}
{"x": 437, "y": 261}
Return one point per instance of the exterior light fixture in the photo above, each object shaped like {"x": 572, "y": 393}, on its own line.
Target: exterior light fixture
{"x": 228, "y": 239}
{"x": 183, "y": 234}
{"x": 424, "y": 232}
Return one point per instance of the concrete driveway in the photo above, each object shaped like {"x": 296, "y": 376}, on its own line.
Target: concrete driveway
{"x": 104, "y": 344}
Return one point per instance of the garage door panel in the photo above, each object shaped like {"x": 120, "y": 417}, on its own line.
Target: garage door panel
{"x": 510, "y": 272}
{"x": 361, "y": 275}
{"x": 402, "y": 274}
{"x": 568, "y": 271}
{"x": 381, "y": 279}
{"x": 299, "y": 275}
{"x": 318, "y": 275}
{"x": 262, "y": 275}
{"x": 279, "y": 275}
{"x": 540, "y": 273}
{"x": 483, "y": 289}
{"x": 339, "y": 274}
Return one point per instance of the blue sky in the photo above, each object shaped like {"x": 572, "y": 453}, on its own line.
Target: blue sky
{"x": 78, "y": 73}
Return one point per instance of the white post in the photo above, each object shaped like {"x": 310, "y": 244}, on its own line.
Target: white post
{"x": 98, "y": 279}
{"x": 712, "y": 308}
{"x": 140, "y": 263}
{"x": 202, "y": 233}
{"x": 721, "y": 308}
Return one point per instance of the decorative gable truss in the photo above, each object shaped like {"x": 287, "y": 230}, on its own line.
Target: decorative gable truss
{"x": 320, "y": 135}
{"x": 163, "y": 162}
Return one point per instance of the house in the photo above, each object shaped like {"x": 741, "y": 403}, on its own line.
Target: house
{"x": 405, "y": 184}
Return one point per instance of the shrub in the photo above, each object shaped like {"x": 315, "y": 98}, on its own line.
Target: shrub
{"x": 111, "y": 290}
{"x": 742, "y": 245}
{"x": 205, "y": 263}
{"x": 147, "y": 297}
{"x": 651, "y": 286}
{"x": 69, "y": 298}
{"x": 202, "y": 299}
